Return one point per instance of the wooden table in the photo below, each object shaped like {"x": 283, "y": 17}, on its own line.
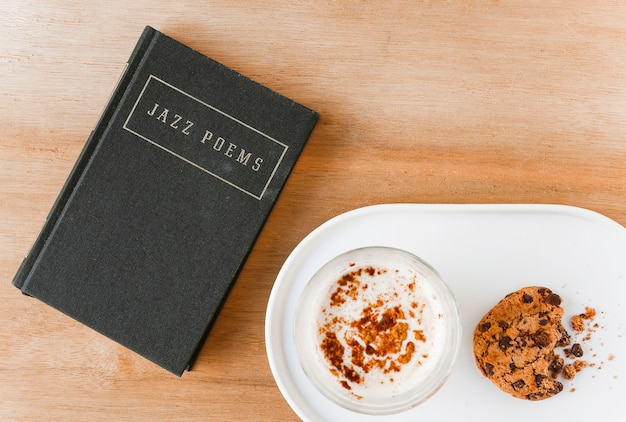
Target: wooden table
{"x": 421, "y": 102}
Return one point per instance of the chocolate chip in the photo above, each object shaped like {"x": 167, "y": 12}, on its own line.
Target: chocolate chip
{"x": 534, "y": 396}
{"x": 539, "y": 379}
{"x": 558, "y": 388}
{"x": 518, "y": 385}
{"x": 485, "y": 326}
{"x": 513, "y": 367}
{"x": 543, "y": 321}
{"x": 577, "y": 350}
{"x": 526, "y": 298}
{"x": 553, "y": 299}
{"x": 505, "y": 342}
{"x": 489, "y": 369}
{"x": 565, "y": 337}
{"x": 503, "y": 324}
{"x": 541, "y": 339}
{"x": 556, "y": 365}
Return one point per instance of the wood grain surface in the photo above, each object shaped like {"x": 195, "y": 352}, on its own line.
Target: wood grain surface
{"x": 421, "y": 102}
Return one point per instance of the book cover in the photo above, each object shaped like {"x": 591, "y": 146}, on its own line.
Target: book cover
{"x": 165, "y": 201}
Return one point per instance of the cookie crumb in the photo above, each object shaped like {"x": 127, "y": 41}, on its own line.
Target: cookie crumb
{"x": 569, "y": 372}
{"x": 578, "y": 324}
{"x": 580, "y": 364}
{"x": 590, "y": 313}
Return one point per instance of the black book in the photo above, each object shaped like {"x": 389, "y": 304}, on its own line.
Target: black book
{"x": 165, "y": 201}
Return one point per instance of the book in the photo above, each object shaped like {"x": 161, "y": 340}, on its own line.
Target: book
{"x": 165, "y": 201}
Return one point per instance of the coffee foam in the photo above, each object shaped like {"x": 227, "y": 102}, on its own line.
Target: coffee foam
{"x": 378, "y": 330}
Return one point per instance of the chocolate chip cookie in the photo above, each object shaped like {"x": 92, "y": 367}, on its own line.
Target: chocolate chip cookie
{"x": 514, "y": 343}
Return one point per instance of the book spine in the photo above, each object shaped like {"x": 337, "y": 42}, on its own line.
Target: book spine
{"x": 143, "y": 46}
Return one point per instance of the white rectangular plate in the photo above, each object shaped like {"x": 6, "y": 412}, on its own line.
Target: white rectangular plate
{"x": 483, "y": 252}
